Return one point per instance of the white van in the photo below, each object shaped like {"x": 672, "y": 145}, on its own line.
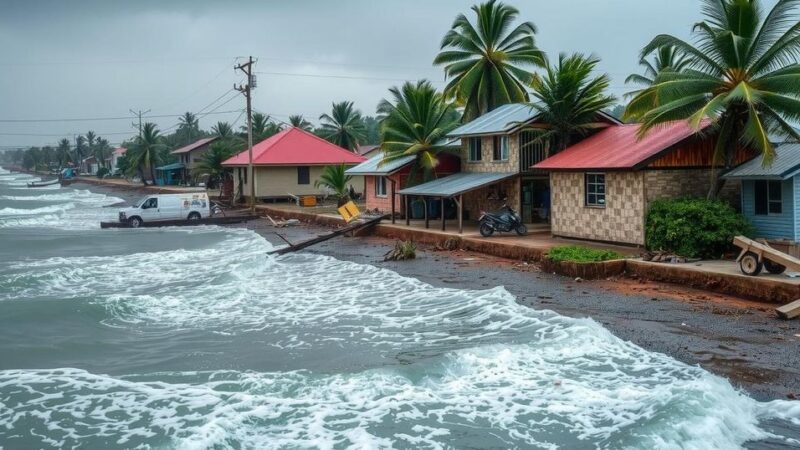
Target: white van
{"x": 154, "y": 208}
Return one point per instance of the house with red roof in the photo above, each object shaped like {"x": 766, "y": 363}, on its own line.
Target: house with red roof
{"x": 601, "y": 187}
{"x": 289, "y": 164}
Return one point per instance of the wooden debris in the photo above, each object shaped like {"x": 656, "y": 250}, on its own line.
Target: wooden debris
{"x": 664, "y": 257}
{"x": 323, "y": 238}
{"x": 789, "y": 311}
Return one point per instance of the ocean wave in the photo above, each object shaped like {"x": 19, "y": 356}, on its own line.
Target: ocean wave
{"x": 76, "y": 196}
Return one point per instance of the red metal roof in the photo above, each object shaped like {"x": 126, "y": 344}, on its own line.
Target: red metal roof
{"x": 295, "y": 147}
{"x": 119, "y": 151}
{"x": 619, "y": 147}
{"x": 195, "y": 145}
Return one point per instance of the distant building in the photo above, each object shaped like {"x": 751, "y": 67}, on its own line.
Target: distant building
{"x": 113, "y": 158}
{"x": 189, "y": 156}
{"x": 289, "y": 163}
{"x": 368, "y": 151}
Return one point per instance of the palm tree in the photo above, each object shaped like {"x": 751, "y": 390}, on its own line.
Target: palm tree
{"x": 742, "y": 75}
{"x": 101, "y": 150}
{"x": 416, "y": 124}
{"x": 145, "y": 151}
{"x": 344, "y": 126}
{"x": 568, "y": 99}
{"x": 263, "y": 127}
{"x": 299, "y": 122}
{"x": 63, "y": 153}
{"x": 211, "y": 161}
{"x": 90, "y": 138}
{"x": 223, "y": 130}
{"x": 485, "y": 60}
{"x": 666, "y": 58}
{"x": 80, "y": 151}
{"x": 335, "y": 179}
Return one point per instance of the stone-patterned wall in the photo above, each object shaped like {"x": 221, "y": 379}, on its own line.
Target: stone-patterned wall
{"x": 673, "y": 183}
{"x": 486, "y": 199}
{"x": 622, "y": 219}
{"x": 487, "y": 163}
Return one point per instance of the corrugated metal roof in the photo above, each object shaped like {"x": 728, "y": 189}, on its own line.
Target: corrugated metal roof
{"x": 373, "y": 166}
{"x": 295, "y": 147}
{"x": 195, "y": 145}
{"x": 619, "y": 147}
{"x": 501, "y": 120}
{"x": 785, "y": 165}
{"x": 173, "y": 166}
{"x": 456, "y": 184}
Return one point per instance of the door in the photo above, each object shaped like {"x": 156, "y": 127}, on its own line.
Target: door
{"x": 150, "y": 209}
{"x": 535, "y": 199}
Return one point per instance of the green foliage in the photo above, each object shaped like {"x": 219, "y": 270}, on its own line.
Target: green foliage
{"x": 693, "y": 227}
{"x": 485, "y": 60}
{"x": 102, "y": 172}
{"x": 742, "y": 75}
{"x": 146, "y": 151}
{"x": 211, "y": 161}
{"x": 666, "y": 59}
{"x": 298, "y": 121}
{"x": 344, "y": 126}
{"x": 263, "y": 127}
{"x": 568, "y": 98}
{"x": 416, "y": 124}
{"x": 402, "y": 251}
{"x": 576, "y": 253}
{"x": 335, "y": 179}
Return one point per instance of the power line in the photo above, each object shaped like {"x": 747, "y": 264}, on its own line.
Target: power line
{"x": 97, "y": 119}
{"x": 346, "y": 77}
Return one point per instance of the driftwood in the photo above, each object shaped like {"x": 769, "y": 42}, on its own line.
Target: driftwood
{"x": 789, "y": 311}
{"x": 325, "y": 237}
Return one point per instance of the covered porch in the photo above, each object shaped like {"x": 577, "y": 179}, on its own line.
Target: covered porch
{"x": 438, "y": 196}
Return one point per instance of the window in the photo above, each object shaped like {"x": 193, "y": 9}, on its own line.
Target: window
{"x": 768, "y": 197}
{"x": 380, "y": 186}
{"x": 303, "y": 175}
{"x": 474, "y": 149}
{"x": 596, "y": 189}
{"x": 150, "y": 203}
{"x": 500, "y": 148}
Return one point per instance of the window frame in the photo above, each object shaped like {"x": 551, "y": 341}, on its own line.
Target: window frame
{"x": 500, "y": 150}
{"x": 768, "y": 187}
{"x": 474, "y": 149}
{"x": 303, "y": 175}
{"x": 587, "y": 191}
{"x": 380, "y": 185}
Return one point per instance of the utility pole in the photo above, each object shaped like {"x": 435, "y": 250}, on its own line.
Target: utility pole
{"x": 139, "y": 114}
{"x": 246, "y": 89}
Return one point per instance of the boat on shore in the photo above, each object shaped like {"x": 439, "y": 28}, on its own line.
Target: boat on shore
{"x": 36, "y": 184}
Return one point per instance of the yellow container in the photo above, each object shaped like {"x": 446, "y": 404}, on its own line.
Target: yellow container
{"x": 308, "y": 200}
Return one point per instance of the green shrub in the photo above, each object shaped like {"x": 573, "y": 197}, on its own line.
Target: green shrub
{"x": 102, "y": 172}
{"x": 579, "y": 254}
{"x": 695, "y": 228}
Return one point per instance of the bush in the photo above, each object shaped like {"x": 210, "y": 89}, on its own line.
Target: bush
{"x": 102, "y": 172}
{"x": 574, "y": 253}
{"x": 695, "y": 228}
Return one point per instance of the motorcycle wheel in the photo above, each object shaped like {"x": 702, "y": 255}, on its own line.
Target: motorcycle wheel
{"x": 486, "y": 230}
{"x": 522, "y": 230}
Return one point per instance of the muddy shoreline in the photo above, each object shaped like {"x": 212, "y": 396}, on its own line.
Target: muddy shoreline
{"x": 734, "y": 338}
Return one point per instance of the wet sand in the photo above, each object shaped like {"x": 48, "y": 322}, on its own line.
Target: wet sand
{"x": 735, "y": 338}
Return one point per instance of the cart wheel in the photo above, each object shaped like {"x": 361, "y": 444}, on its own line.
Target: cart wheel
{"x": 775, "y": 268}
{"x": 750, "y": 265}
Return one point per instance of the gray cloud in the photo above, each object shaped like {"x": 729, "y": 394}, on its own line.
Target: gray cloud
{"x": 100, "y": 58}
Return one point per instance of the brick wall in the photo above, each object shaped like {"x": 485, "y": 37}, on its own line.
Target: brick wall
{"x": 487, "y": 199}
{"x": 384, "y": 204}
{"x": 487, "y": 162}
{"x": 673, "y": 183}
{"x": 621, "y": 220}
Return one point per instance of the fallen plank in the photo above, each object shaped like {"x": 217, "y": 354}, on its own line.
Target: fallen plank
{"x": 325, "y": 237}
{"x": 789, "y": 311}
{"x": 225, "y": 220}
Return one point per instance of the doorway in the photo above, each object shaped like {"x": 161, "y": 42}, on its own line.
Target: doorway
{"x": 535, "y": 200}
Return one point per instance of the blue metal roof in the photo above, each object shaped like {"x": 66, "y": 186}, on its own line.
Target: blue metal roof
{"x": 456, "y": 184}
{"x": 785, "y": 165}
{"x": 373, "y": 166}
{"x": 174, "y": 166}
{"x": 501, "y": 120}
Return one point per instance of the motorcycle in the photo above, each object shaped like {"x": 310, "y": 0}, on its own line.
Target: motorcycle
{"x": 505, "y": 220}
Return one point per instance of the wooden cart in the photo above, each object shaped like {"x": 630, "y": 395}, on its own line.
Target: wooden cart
{"x": 758, "y": 255}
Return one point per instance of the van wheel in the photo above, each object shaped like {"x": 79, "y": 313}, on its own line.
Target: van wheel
{"x": 135, "y": 222}
{"x": 194, "y": 216}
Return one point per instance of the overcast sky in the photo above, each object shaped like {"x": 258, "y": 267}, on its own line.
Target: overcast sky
{"x": 100, "y": 58}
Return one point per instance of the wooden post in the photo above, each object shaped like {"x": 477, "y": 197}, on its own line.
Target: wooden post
{"x": 393, "y": 199}
{"x": 441, "y": 212}
{"x": 461, "y": 214}
{"x": 427, "y": 219}
{"x": 407, "y": 207}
